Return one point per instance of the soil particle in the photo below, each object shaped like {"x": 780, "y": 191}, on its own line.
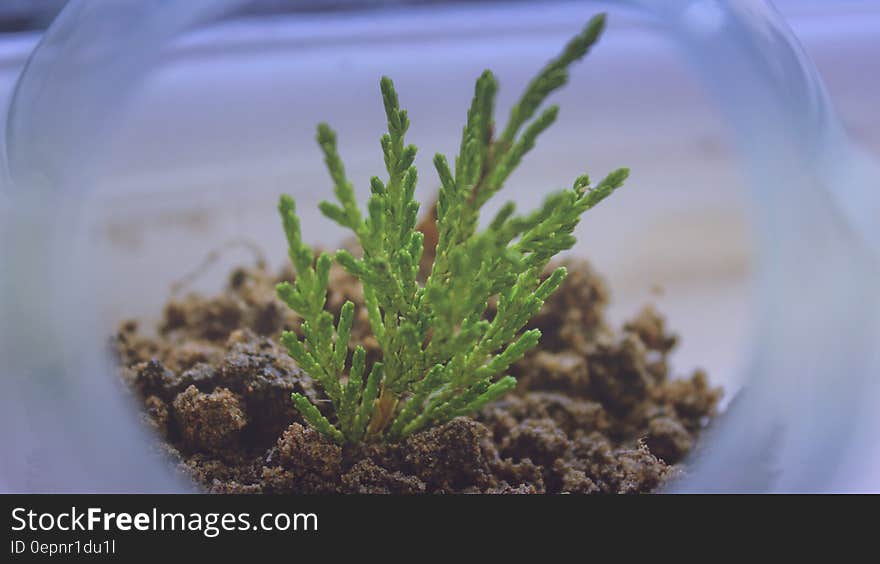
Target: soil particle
{"x": 693, "y": 399}
{"x": 576, "y": 481}
{"x": 265, "y": 376}
{"x": 210, "y": 422}
{"x": 573, "y": 416}
{"x": 508, "y": 489}
{"x": 156, "y": 414}
{"x": 539, "y": 440}
{"x": 596, "y": 410}
{"x": 565, "y": 371}
{"x": 366, "y": 477}
{"x": 618, "y": 373}
{"x": 668, "y": 439}
{"x": 574, "y": 316}
{"x": 615, "y": 470}
{"x": 152, "y": 377}
{"x": 452, "y": 457}
{"x": 305, "y": 452}
{"x": 650, "y": 327}
{"x": 519, "y": 474}
{"x": 214, "y": 319}
{"x": 277, "y": 480}
{"x": 200, "y": 375}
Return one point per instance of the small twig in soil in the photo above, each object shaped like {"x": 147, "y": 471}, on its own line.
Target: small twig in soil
{"x": 212, "y": 257}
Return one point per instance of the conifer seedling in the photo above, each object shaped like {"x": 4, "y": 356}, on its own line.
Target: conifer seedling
{"x": 443, "y": 355}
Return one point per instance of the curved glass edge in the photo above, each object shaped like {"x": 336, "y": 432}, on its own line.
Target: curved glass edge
{"x": 60, "y": 111}
{"x": 797, "y": 425}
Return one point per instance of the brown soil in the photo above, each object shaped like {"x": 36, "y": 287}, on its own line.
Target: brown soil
{"x": 596, "y": 410}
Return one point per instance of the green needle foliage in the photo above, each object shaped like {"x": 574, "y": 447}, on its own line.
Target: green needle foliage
{"x": 442, "y": 356}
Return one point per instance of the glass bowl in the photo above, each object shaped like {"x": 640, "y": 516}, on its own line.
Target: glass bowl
{"x": 144, "y": 137}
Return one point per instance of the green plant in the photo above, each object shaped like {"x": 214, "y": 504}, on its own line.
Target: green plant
{"x": 441, "y": 354}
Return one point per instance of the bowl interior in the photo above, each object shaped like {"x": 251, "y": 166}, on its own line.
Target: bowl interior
{"x": 225, "y": 124}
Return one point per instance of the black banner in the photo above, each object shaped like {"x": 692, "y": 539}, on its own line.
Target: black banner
{"x": 123, "y": 527}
